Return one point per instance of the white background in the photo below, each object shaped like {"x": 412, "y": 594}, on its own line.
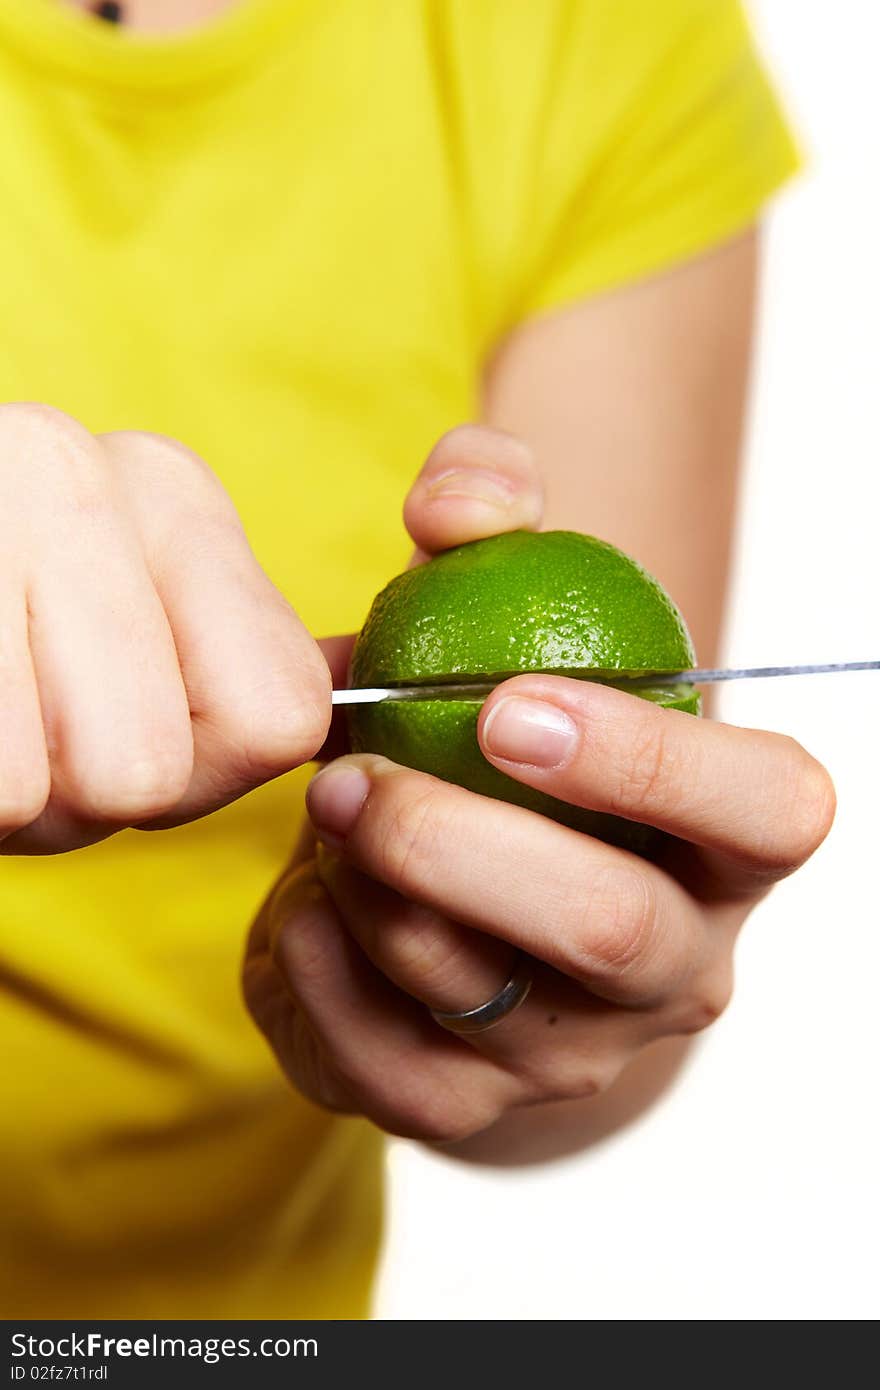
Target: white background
{"x": 751, "y": 1191}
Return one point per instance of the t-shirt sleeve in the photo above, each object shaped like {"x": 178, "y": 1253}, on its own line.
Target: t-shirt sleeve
{"x": 655, "y": 133}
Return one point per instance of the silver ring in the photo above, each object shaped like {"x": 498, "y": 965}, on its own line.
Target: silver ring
{"x": 500, "y": 1006}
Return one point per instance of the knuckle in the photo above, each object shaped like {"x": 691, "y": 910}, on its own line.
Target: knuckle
{"x": 583, "y": 1083}
{"x": 35, "y": 418}
{"x": 617, "y": 924}
{"x": 412, "y": 1102}
{"x": 810, "y": 804}
{"x": 814, "y": 808}
{"x": 643, "y": 772}
{"x": 414, "y": 947}
{"x": 163, "y": 454}
{"x": 413, "y": 827}
{"x": 435, "y": 1120}
{"x": 483, "y": 444}
{"x": 66, "y": 454}
{"x": 288, "y": 722}
{"x": 177, "y": 471}
{"x": 150, "y": 786}
{"x": 587, "y": 1067}
{"x": 555, "y": 1079}
{"x": 706, "y": 1005}
{"x": 459, "y": 440}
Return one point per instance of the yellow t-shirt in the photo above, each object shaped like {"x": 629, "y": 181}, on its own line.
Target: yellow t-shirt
{"x": 291, "y": 240}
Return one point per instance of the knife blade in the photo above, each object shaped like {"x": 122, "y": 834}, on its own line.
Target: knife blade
{"x": 480, "y": 689}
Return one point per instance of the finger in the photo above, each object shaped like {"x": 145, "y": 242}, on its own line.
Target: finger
{"x": 271, "y": 1002}
{"x": 382, "y": 1051}
{"x": 755, "y": 798}
{"x": 257, "y": 684}
{"x": 476, "y": 482}
{"x": 608, "y": 919}
{"x": 438, "y": 961}
{"x": 561, "y": 1042}
{"x": 113, "y": 704}
{"x": 24, "y": 762}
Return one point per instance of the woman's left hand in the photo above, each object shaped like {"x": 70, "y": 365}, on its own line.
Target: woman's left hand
{"x": 422, "y": 896}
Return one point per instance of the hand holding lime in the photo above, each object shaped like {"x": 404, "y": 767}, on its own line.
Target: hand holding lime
{"x": 522, "y": 601}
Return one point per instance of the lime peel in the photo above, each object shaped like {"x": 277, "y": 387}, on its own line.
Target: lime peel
{"x": 556, "y": 601}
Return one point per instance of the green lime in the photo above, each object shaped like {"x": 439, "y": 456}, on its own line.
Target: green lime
{"x": 523, "y": 601}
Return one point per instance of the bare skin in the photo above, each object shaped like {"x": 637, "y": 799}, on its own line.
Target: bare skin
{"x": 164, "y": 16}
{"x": 419, "y": 895}
{"x": 144, "y": 683}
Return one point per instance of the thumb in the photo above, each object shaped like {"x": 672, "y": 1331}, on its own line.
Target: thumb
{"x": 475, "y": 482}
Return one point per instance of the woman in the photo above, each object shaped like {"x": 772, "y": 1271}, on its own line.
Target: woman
{"x": 304, "y": 241}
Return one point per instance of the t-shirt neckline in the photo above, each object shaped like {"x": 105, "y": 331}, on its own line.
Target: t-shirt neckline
{"x": 74, "y": 42}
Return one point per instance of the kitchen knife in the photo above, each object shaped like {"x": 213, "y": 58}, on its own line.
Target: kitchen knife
{"x": 479, "y": 688}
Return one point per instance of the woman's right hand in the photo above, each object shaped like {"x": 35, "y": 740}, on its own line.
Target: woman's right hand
{"x": 149, "y": 671}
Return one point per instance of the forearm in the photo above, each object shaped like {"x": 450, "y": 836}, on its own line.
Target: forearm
{"x": 540, "y": 1133}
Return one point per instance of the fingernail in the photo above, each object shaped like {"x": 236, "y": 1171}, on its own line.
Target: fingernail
{"x": 475, "y": 483}
{"x": 529, "y": 731}
{"x": 334, "y": 799}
